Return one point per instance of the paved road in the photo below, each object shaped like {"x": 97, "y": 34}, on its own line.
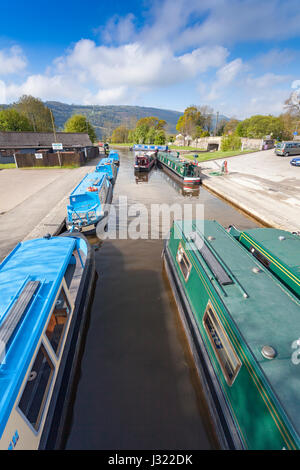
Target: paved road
{"x": 34, "y": 202}
{"x": 262, "y": 184}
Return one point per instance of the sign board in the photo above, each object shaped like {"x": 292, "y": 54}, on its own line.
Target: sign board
{"x": 57, "y": 146}
{"x": 295, "y": 133}
{"x": 38, "y": 155}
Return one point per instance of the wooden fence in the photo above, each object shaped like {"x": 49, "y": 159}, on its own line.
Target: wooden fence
{"x": 62, "y": 159}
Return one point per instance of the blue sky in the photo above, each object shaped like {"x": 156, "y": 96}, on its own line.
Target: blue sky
{"x": 240, "y": 57}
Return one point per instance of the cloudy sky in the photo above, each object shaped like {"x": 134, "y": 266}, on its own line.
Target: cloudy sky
{"x": 240, "y": 57}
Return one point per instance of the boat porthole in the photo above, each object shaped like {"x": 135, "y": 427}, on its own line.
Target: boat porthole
{"x": 32, "y": 375}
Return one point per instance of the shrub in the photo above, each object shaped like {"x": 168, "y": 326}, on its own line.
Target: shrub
{"x": 231, "y": 142}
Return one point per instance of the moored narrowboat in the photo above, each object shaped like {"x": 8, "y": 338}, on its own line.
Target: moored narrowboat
{"x": 115, "y": 157}
{"x": 149, "y": 147}
{"x": 108, "y": 166}
{"x": 45, "y": 289}
{"x": 188, "y": 172}
{"x": 89, "y": 202}
{"x": 144, "y": 161}
{"x": 238, "y": 297}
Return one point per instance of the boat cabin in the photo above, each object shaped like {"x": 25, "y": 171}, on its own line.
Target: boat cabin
{"x": 87, "y": 201}
{"x": 41, "y": 284}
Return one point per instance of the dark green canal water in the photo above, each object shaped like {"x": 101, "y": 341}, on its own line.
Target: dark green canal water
{"x": 138, "y": 388}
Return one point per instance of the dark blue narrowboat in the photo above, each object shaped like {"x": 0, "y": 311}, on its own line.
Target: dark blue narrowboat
{"x": 46, "y": 287}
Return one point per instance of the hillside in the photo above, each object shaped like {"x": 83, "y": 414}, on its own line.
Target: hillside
{"x": 106, "y": 118}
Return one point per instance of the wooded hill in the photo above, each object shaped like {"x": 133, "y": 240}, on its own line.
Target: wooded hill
{"x": 106, "y": 118}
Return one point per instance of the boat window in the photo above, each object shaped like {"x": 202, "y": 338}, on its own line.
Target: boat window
{"x": 35, "y": 393}
{"x": 183, "y": 261}
{"x": 58, "y": 321}
{"x": 227, "y": 358}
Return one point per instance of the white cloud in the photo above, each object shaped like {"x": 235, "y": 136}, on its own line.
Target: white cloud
{"x": 224, "y": 77}
{"x": 12, "y": 61}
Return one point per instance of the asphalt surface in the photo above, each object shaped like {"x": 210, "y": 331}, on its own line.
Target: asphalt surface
{"x": 33, "y": 202}
{"x": 261, "y": 184}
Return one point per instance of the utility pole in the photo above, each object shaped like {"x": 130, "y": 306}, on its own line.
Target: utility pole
{"x": 54, "y": 132}
{"x": 216, "y": 126}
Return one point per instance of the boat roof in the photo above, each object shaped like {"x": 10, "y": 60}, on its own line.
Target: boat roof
{"x": 174, "y": 157}
{"x": 105, "y": 161}
{"x": 94, "y": 178}
{"x": 263, "y": 310}
{"x": 41, "y": 261}
{"x": 282, "y": 251}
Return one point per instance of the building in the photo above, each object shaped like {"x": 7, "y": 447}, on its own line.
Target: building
{"x": 12, "y": 143}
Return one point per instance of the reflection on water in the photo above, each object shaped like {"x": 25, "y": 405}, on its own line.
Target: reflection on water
{"x": 138, "y": 387}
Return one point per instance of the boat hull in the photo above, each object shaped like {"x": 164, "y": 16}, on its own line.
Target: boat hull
{"x": 220, "y": 415}
{"x": 144, "y": 167}
{"x": 196, "y": 180}
{"x": 54, "y": 432}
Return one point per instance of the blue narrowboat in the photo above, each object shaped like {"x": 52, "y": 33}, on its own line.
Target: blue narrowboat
{"x": 89, "y": 201}
{"x": 142, "y": 147}
{"x": 115, "y": 157}
{"x": 46, "y": 287}
{"x": 107, "y": 165}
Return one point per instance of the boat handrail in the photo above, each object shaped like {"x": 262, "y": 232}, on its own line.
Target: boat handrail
{"x": 17, "y": 310}
{"x": 230, "y": 276}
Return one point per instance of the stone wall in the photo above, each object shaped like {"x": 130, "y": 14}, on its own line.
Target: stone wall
{"x": 214, "y": 143}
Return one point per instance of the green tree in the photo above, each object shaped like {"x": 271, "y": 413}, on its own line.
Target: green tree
{"x": 120, "y": 135}
{"x": 231, "y": 142}
{"x": 259, "y": 126}
{"x": 36, "y": 112}
{"x": 189, "y": 121}
{"x": 11, "y": 120}
{"x": 79, "y": 123}
{"x": 151, "y": 135}
{"x": 160, "y": 138}
{"x": 148, "y": 129}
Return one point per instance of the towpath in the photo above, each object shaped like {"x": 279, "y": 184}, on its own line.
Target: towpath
{"x": 261, "y": 184}
{"x": 33, "y": 202}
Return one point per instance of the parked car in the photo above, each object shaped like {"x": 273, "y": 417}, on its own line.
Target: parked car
{"x": 284, "y": 149}
{"x": 295, "y": 161}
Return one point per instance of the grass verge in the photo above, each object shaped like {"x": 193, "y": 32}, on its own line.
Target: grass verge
{"x": 218, "y": 154}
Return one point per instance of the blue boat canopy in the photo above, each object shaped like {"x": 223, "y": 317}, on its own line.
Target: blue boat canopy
{"x": 149, "y": 147}
{"x": 40, "y": 263}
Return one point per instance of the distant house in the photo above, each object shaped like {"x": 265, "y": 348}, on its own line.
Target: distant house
{"x": 32, "y": 142}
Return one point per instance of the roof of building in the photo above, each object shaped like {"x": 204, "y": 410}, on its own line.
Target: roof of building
{"x": 43, "y": 139}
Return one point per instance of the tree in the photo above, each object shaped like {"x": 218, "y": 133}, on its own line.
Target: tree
{"x": 190, "y": 122}
{"x": 11, "y": 120}
{"x": 292, "y": 104}
{"x": 259, "y": 126}
{"x": 36, "y": 112}
{"x": 148, "y": 130}
{"x": 79, "y": 123}
{"x": 120, "y": 135}
{"x": 231, "y": 142}
{"x": 160, "y": 138}
{"x": 230, "y": 126}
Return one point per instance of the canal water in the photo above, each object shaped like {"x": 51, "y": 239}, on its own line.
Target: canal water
{"x": 138, "y": 387}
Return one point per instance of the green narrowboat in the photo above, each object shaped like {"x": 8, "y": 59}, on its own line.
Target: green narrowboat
{"x": 238, "y": 295}
{"x": 188, "y": 172}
